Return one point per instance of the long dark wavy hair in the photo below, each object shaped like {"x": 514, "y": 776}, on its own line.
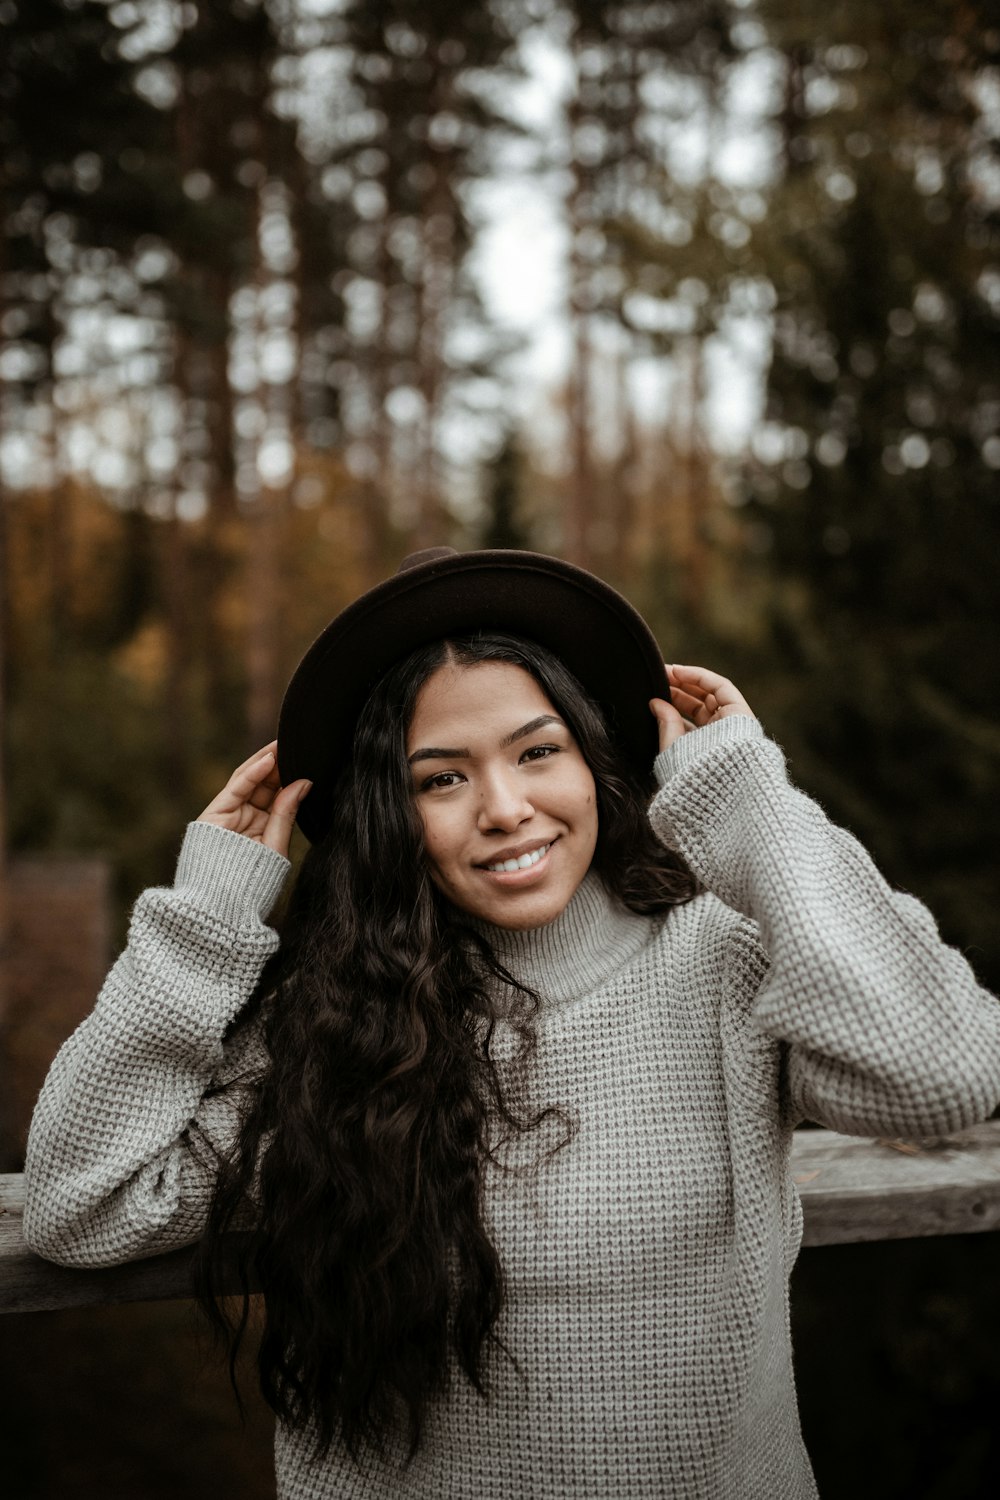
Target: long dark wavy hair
{"x": 365, "y": 1141}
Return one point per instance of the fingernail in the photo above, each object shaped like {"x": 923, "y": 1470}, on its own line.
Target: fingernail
{"x": 305, "y": 791}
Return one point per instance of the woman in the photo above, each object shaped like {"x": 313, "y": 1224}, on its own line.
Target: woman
{"x": 508, "y": 1112}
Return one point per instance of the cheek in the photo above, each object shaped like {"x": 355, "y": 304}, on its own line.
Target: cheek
{"x": 592, "y": 816}
{"x": 438, "y": 837}
{"x": 590, "y": 813}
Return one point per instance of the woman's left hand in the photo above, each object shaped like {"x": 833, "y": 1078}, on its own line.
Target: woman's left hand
{"x": 699, "y": 698}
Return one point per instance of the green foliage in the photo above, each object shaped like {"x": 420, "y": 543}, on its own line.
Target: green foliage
{"x": 874, "y": 492}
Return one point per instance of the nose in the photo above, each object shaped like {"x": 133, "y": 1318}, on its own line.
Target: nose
{"x": 502, "y": 804}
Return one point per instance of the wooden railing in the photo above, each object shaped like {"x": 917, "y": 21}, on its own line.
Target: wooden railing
{"x": 852, "y": 1189}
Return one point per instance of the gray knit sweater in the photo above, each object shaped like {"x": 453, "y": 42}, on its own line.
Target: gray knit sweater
{"x": 648, "y": 1261}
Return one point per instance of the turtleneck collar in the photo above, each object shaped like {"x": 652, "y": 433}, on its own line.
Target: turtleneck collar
{"x": 592, "y": 937}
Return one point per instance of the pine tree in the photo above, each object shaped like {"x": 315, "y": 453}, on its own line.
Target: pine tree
{"x": 876, "y": 479}
{"x": 415, "y": 80}
{"x": 635, "y": 70}
{"x": 504, "y": 527}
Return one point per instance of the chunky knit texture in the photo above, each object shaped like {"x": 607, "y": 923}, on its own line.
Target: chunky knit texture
{"x": 647, "y": 1260}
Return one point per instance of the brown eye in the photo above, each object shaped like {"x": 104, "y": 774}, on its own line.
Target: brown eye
{"x": 442, "y": 779}
{"x": 540, "y": 752}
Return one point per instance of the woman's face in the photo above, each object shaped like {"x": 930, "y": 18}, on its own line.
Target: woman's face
{"x": 508, "y": 803}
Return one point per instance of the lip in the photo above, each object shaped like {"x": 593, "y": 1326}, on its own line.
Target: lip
{"x": 514, "y": 851}
{"x": 529, "y": 873}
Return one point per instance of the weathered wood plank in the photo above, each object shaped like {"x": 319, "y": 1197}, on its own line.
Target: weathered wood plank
{"x": 856, "y": 1189}
{"x": 852, "y": 1189}
{"x": 30, "y": 1284}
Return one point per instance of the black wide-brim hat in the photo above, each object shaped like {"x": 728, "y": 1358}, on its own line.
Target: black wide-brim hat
{"x": 598, "y": 635}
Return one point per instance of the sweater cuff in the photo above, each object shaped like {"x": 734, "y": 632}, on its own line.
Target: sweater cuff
{"x": 732, "y": 730}
{"x": 230, "y": 876}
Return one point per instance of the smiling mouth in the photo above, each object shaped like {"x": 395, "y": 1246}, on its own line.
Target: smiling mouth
{"x": 526, "y": 861}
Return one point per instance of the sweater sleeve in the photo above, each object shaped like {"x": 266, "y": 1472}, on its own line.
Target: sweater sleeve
{"x": 128, "y": 1125}
{"x": 886, "y": 1029}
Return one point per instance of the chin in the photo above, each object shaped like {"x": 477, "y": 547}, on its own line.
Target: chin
{"x": 521, "y": 913}
{"x": 539, "y": 915}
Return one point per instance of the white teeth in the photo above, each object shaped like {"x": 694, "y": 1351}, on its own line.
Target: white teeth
{"x": 523, "y": 862}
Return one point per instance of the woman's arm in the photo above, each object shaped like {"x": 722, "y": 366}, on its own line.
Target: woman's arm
{"x": 125, "y": 1134}
{"x": 887, "y": 1029}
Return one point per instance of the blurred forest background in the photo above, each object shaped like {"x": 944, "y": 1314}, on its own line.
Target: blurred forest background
{"x": 701, "y": 294}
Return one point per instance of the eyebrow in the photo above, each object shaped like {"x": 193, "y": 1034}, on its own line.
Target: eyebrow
{"x": 432, "y": 753}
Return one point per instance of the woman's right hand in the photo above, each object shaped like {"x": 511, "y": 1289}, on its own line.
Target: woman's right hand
{"x": 253, "y": 802}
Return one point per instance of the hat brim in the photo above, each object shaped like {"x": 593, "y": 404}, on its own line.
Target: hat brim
{"x": 600, "y": 637}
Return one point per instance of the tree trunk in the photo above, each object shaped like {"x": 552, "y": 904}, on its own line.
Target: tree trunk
{"x": 174, "y": 573}
{"x": 5, "y": 1133}
{"x": 693, "y": 488}
{"x": 262, "y": 575}
{"x": 436, "y": 283}
{"x": 263, "y": 533}
{"x": 624, "y": 477}
{"x": 580, "y": 499}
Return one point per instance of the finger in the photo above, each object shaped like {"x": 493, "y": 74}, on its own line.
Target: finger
{"x": 701, "y": 676}
{"x": 670, "y": 725}
{"x": 264, "y": 794}
{"x": 255, "y": 775}
{"x": 719, "y": 695}
{"x": 690, "y": 692}
{"x": 702, "y": 682}
{"x": 243, "y": 783}
{"x": 690, "y": 702}
{"x": 252, "y": 760}
{"x": 278, "y": 831}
